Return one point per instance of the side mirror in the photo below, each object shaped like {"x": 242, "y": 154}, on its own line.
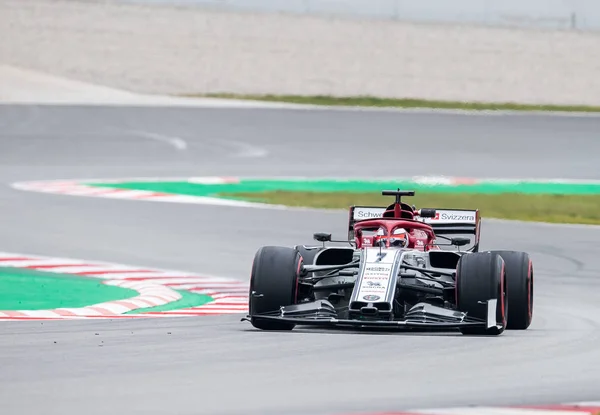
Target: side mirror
{"x": 427, "y": 213}
{"x": 460, "y": 241}
{"x": 322, "y": 237}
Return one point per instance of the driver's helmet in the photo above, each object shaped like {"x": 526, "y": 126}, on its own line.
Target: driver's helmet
{"x": 399, "y": 238}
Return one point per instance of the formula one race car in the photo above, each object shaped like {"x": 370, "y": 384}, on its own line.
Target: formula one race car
{"x": 396, "y": 275}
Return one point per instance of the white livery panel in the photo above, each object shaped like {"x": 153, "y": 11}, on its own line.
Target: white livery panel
{"x": 378, "y": 275}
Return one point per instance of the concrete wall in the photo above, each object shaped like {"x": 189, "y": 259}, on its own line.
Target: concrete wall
{"x": 555, "y": 14}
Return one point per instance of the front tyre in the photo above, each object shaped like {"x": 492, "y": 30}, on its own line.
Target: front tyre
{"x": 519, "y": 281}
{"x": 480, "y": 277}
{"x": 273, "y": 284}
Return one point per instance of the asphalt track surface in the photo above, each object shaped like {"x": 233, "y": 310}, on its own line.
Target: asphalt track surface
{"x": 218, "y": 365}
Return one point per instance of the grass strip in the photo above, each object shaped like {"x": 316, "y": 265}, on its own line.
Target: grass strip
{"x": 515, "y": 206}
{"x": 369, "y": 101}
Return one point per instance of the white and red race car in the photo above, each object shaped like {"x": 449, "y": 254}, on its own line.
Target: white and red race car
{"x": 396, "y": 273}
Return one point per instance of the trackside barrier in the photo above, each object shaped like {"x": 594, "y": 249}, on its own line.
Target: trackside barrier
{"x": 547, "y": 14}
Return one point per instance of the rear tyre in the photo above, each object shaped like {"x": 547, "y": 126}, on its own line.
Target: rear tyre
{"x": 274, "y": 283}
{"x": 519, "y": 281}
{"x": 480, "y": 277}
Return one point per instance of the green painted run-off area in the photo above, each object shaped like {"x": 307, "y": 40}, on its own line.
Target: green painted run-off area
{"x": 25, "y": 289}
{"x": 359, "y": 186}
{"x": 22, "y": 289}
{"x": 187, "y": 300}
{"x": 558, "y": 201}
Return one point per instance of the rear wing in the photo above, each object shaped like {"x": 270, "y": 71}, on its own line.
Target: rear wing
{"x": 445, "y": 222}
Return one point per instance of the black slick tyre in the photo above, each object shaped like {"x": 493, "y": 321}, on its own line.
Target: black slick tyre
{"x": 519, "y": 281}
{"x": 480, "y": 277}
{"x": 273, "y": 283}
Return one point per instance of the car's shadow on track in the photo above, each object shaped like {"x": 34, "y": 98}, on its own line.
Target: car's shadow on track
{"x": 371, "y": 332}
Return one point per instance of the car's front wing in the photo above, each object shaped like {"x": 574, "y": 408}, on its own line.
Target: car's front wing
{"x": 422, "y": 316}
